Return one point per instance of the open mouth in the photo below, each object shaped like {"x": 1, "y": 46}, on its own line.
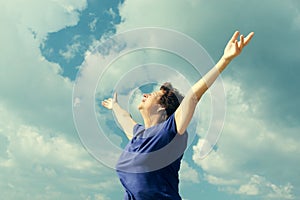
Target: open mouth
{"x": 144, "y": 99}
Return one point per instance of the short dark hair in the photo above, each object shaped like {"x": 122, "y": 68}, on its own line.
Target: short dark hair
{"x": 171, "y": 98}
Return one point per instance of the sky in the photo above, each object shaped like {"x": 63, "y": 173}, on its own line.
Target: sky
{"x": 48, "y": 47}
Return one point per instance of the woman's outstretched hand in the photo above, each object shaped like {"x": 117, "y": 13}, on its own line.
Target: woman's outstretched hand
{"x": 235, "y": 47}
{"x": 108, "y": 103}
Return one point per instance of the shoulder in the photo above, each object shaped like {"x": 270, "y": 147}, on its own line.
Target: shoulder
{"x": 170, "y": 122}
{"x": 137, "y": 128}
{"x": 170, "y": 125}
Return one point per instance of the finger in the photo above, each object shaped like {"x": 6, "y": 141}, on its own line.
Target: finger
{"x": 248, "y": 38}
{"x": 236, "y": 44}
{"x": 235, "y": 36}
{"x": 115, "y": 96}
{"x": 241, "y": 42}
{"x": 107, "y": 100}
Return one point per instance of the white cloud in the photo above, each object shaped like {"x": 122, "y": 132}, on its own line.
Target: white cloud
{"x": 29, "y": 143}
{"x": 31, "y": 89}
{"x": 41, "y": 17}
{"x": 112, "y": 13}
{"x": 219, "y": 181}
{"x": 108, "y": 80}
{"x": 46, "y": 165}
{"x": 30, "y": 85}
{"x": 248, "y": 146}
{"x": 71, "y": 51}
{"x": 41, "y": 156}
{"x": 92, "y": 25}
{"x": 188, "y": 174}
{"x": 100, "y": 197}
{"x": 258, "y": 185}
{"x": 167, "y": 14}
{"x": 248, "y": 189}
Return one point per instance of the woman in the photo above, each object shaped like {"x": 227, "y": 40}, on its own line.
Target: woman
{"x": 149, "y": 165}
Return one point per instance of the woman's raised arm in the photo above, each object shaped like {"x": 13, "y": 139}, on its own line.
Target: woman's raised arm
{"x": 185, "y": 111}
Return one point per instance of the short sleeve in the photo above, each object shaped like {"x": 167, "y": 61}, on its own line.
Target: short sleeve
{"x": 170, "y": 126}
{"x": 137, "y": 129}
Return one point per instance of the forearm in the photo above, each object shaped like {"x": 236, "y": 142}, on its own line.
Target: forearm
{"x": 209, "y": 78}
{"x": 119, "y": 111}
{"x": 232, "y": 49}
{"x": 185, "y": 111}
{"x": 124, "y": 119}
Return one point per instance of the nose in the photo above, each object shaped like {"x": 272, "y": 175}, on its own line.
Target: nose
{"x": 146, "y": 95}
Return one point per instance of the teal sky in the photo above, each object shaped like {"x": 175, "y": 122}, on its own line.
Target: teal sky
{"x": 45, "y": 43}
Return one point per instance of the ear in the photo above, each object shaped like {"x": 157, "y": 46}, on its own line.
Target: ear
{"x": 163, "y": 112}
{"x": 161, "y": 109}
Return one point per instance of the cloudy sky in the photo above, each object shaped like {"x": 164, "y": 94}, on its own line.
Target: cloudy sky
{"x": 45, "y": 44}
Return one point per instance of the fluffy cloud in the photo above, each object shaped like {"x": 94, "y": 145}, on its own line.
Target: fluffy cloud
{"x": 46, "y": 164}
{"x": 212, "y": 23}
{"x": 71, "y": 50}
{"x": 188, "y": 174}
{"x": 256, "y": 154}
{"x": 28, "y": 143}
{"x": 258, "y": 184}
{"x": 41, "y": 17}
{"x": 31, "y": 86}
{"x": 123, "y": 76}
{"x": 260, "y": 159}
{"x": 41, "y": 156}
{"x": 247, "y": 148}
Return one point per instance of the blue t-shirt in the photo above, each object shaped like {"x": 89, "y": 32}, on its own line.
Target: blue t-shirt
{"x": 148, "y": 167}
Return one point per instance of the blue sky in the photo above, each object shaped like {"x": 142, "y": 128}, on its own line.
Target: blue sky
{"x": 45, "y": 43}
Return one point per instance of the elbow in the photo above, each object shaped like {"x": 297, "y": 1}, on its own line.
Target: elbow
{"x": 181, "y": 128}
{"x": 181, "y": 131}
{"x": 199, "y": 89}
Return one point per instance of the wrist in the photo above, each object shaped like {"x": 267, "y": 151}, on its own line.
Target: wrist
{"x": 114, "y": 104}
{"x": 226, "y": 60}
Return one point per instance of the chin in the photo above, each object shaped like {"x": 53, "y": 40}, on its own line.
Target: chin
{"x": 139, "y": 106}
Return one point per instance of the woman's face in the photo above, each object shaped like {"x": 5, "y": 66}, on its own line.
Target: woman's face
{"x": 150, "y": 100}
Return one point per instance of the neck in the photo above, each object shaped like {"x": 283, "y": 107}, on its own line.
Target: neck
{"x": 152, "y": 119}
